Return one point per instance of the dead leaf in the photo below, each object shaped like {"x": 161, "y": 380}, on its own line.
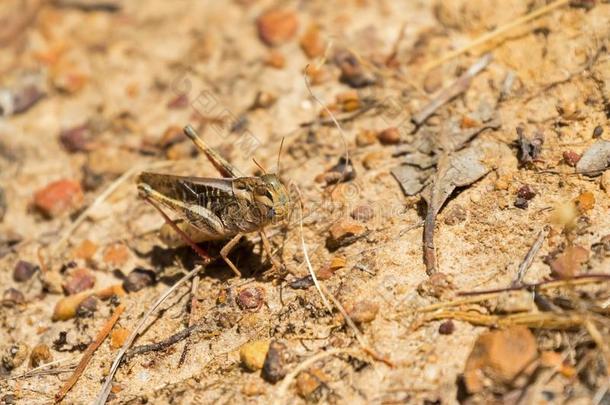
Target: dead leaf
{"x": 454, "y": 170}
{"x": 595, "y": 160}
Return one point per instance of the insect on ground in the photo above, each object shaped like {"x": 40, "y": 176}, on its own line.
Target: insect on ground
{"x": 213, "y": 209}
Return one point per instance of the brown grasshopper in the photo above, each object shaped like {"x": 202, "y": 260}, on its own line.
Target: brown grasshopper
{"x": 223, "y": 208}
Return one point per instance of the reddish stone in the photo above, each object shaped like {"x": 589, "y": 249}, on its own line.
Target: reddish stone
{"x": 59, "y": 197}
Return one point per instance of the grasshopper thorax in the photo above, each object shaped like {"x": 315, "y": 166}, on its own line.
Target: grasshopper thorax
{"x": 268, "y": 193}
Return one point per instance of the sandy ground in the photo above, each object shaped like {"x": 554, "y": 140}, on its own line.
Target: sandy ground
{"x": 120, "y": 70}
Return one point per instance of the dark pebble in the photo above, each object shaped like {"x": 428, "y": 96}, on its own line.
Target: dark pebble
{"x": 138, "y": 279}
{"x": 302, "y": 283}
{"x": 75, "y": 139}
{"x": 524, "y": 195}
{"x": 273, "y": 367}
{"x": 250, "y": 298}
{"x": 24, "y": 271}
{"x": 87, "y": 307}
{"x": 78, "y": 281}
{"x": 526, "y": 192}
{"x": 598, "y": 131}
{"x": 446, "y": 328}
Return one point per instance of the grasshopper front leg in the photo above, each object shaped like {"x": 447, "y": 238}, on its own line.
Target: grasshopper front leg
{"x": 224, "y": 253}
{"x": 267, "y": 247}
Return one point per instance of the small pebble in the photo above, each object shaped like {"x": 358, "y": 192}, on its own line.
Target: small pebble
{"x": 14, "y": 356}
{"x": 362, "y": 213}
{"x": 500, "y": 356}
{"x": 475, "y": 197}
{"x": 585, "y": 202}
{"x": 275, "y": 59}
{"x": 363, "y": 311}
{"x": 308, "y": 382}
{"x": 446, "y": 328}
{"x": 329, "y": 270}
{"x": 250, "y": 298}
{"x": 277, "y": 26}
{"x": 253, "y": 388}
{"x": 52, "y": 282}
{"x": 524, "y": 195}
{"x": 571, "y": 158}
{"x": 116, "y": 255}
{"x": 274, "y": 365}
{"x": 59, "y": 197}
{"x": 66, "y": 307}
{"x": 76, "y": 139}
{"x": 569, "y": 262}
{"x": 341, "y": 172}
{"x": 118, "y": 337}
{"x": 85, "y": 250}
{"x": 312, "y": 43}
{"x": 389, "y": 136}
{"x": 352, "y": 71}
{"x": 79, "y": 280}
{"x": 344, "y": 231}
{"x": 366, "y": 137}
{"x": 598, "y": 131}
{"x": 455, "y": 215}
{"x": 87, "y": 307}
{"x": 373, "y": 160}
{"x": 138, "y": 278}
{"x": 40, "y": 355}
{"x": 12, "y": 297}
{"x": 24, "y": 271}
{"x": 252, "y": 354}
{"x": 433, "y": 81}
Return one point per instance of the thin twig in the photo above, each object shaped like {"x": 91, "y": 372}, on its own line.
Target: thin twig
{"x": 40, "y": 370}
{"x": 452, "y": 91}
{"x": 471, "y": 297}
{"x": 536, "y": 320}
{"x": 495, "y": 33}
{"x": 84, "y": 361}
{"x": 304, "y": 248}
{"x": 547, "y": 284}
{"x": 530, "y": 256}
{"x": 192, "y": 311}
{"x": 105, "y": 391}
{"x": 165, "y": 343}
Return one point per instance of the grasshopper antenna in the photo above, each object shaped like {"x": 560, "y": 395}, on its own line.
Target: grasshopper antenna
{"x": 259, "y": 166}
{"x": 279, "y": 154}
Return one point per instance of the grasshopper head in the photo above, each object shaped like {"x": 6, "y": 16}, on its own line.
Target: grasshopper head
{"x": 272, "y": 194}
